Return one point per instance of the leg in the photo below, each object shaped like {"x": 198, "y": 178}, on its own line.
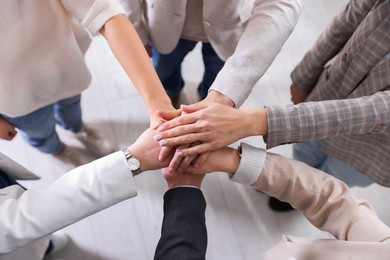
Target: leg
{"x": 345, "y": 172}
{"x": 38, "y": 129}
{"x": 213, "y": 64}
{"x": 168, "y": 66}
{"x": 311, "y": 154}
{"x": 67, "y": 113}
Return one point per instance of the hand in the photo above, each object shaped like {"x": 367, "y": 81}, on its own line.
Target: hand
{"x": 214, "y": 126}
{"x": 147, "y": 150}
{"x": 179, "y": 179}
{"x": 222, "y": 160}
{"x": 7, "y": 130}
{"x": 298, "y": 95}
{"x": 161, "y": 115}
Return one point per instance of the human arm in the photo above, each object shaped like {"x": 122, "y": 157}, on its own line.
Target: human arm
{"x": 325, "y": 201}
{"x": 329, "y": 44}
{"x": 74, "y": 196}
{"x": 330, "y": 118}
{"x": 135, "y": 12}
{"x": 133, "y": 57}
{"x": 183, "y": 233}
{"x": 107, "y": 18}
{"x": 269, "y": 26}
{"x": 216, "y": 126}
{"x": 7, "y": 130}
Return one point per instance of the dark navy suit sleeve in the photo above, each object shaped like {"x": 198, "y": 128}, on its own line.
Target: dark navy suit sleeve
{"x": 183, "y": 234}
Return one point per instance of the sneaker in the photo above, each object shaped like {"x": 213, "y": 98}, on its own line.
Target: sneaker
{"x": 72, "y": 155}
{"x": 94, "y": 141}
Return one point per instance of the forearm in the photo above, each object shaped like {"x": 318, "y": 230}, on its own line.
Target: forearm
{"x": 268, "y": 29}
{"x": 183, "y": 234}
{"x": 135, "y": 10}
{"x": 76, "y": 195}
{"x": 325, "y": 201}
{"x": 131, "y": 54}
{"x": 325, "y": 119}
{"x": 329, "y": 43}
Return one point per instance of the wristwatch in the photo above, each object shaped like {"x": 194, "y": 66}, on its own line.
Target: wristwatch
{"x": 134, "y": 163}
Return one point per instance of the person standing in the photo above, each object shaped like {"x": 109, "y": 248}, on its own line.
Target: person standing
{"x": 43, "y": 70}
{"x": 240, "y": 39}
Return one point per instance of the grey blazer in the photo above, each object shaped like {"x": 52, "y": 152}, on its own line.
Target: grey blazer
{"x": 348, "y": 71}
{"x": 247, "y": 34}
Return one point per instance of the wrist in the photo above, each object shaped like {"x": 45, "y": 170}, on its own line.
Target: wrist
{"x": 233, "y": 160}
{"x": 218, "y": 97}
{"x": 135, "y": 153}
{"x": 260, "y": 117}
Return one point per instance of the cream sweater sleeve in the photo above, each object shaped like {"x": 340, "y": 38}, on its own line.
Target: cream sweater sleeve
{"x": 324, "y": 200}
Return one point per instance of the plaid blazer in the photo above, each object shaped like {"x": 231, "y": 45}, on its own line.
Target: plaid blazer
{"x": 348, "y": 73}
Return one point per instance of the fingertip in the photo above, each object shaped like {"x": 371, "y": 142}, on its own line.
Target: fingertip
{"x": 178, "y": 153}
{"x": 161, "y": 128}
{"x": 163, "y": 142}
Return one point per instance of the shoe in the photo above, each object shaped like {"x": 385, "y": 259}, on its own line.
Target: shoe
{"x": 94, "y": 141}
{"x": 278, "y": 205}
{"x": 58, "y": 242}
{"x": 72, "y": 155}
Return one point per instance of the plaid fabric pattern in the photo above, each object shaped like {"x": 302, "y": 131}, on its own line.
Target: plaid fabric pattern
{"x": 348, "y": 71}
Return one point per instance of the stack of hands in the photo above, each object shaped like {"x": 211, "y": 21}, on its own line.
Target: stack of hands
{"x": 192, "y": 141}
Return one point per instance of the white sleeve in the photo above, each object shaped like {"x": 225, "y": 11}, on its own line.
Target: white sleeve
{"x": 251, "y": 164}
{"x": 269, "y": 27}
{"x": 30, "y": 215}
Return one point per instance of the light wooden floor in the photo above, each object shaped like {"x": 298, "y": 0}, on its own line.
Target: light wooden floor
{"x": 240, "y": 224}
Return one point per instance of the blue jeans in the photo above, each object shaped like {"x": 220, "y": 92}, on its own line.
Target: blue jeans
{"x": 310, "y": 153}
{"x": 168, "y": 67}
{"x": 38, "y": 127}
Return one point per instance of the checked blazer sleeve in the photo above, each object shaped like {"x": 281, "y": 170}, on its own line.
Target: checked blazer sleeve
{"x": 183, "y": 234}
{"x": 329, "y": 43}
{"x": 330, "y": 118}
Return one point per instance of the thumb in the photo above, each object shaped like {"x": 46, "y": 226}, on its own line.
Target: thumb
{"x": 194, "y": 107}
{"x": 168, "y": 114}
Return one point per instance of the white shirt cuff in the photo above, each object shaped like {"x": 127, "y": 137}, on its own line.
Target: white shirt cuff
{"x": 251, "y": 164}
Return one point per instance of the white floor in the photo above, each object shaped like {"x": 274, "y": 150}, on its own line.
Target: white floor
{"x": 240, "y": 224}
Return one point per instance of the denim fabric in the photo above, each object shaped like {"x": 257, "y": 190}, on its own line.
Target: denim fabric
{"x": 38, "y": 127}
{"x": 168, "y": 67}
{"x": 311, "y": 154}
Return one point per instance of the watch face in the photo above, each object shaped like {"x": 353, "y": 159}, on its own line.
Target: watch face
{"x": 134, "y": 164}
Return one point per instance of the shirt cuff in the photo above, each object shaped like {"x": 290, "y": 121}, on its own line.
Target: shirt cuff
{"x": 251, "y": 164}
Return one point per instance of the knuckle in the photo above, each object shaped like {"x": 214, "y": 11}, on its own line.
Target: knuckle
{"x": 180, "y": 120}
